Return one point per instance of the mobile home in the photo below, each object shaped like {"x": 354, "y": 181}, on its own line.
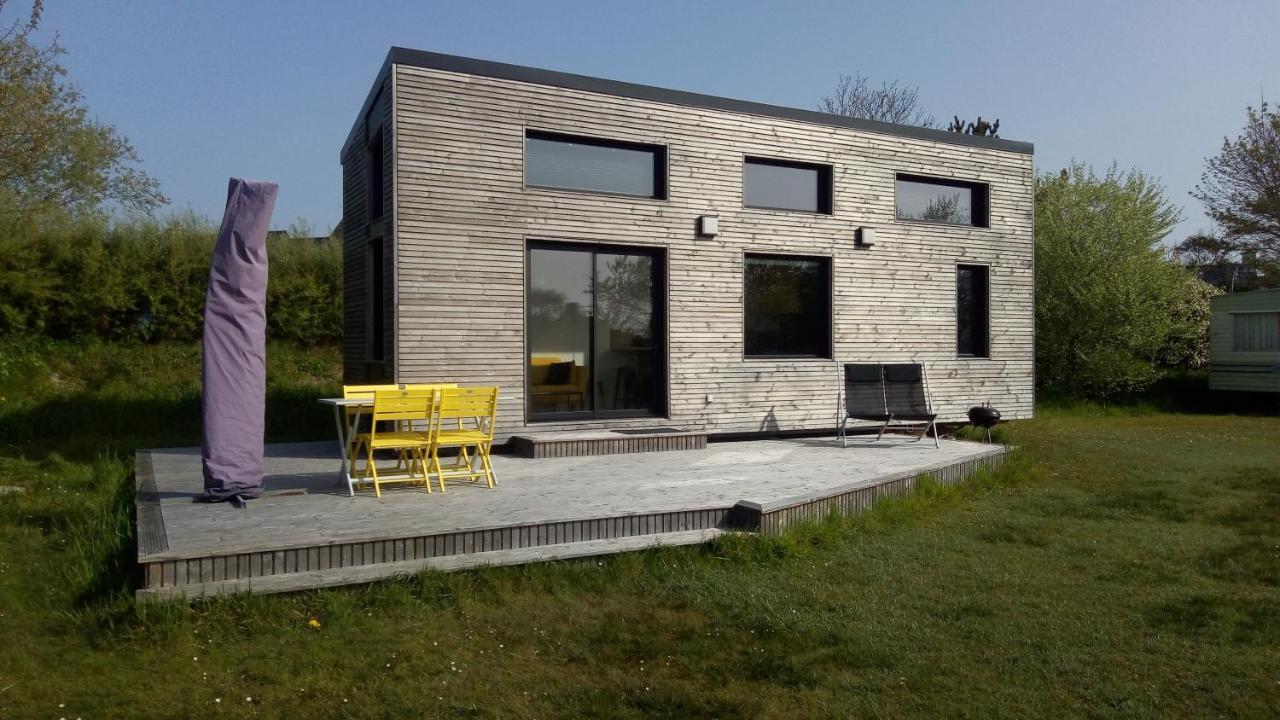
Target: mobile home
{"x": 1244, "y": 341}
{"x": 615, "y": 255}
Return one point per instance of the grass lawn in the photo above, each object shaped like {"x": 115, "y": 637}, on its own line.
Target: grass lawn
{"x": 1127, "y": 564}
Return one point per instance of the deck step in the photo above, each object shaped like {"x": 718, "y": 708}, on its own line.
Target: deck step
{"x": 577, "y": 443}
{"x": 295, "y": 581}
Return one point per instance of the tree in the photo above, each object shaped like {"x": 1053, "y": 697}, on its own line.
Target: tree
{"x": 1111, "y": 304}
{"x": 53, "y": 156}
{"x": 1240, "y": 188}
{"x": 855, "y": 97}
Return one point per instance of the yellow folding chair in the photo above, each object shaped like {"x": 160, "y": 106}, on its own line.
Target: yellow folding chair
{"x": 360, "y": 438}
{"x": 350, "y": 414}
{"x": 463, "y": 418}
{"x": 392, "y": 410}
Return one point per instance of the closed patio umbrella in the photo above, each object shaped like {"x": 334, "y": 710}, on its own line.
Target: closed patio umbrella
{"x": 234, "y": 371}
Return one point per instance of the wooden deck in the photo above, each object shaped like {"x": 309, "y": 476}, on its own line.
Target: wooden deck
{"x": 306, "y": 532}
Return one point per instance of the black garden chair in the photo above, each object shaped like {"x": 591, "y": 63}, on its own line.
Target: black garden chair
{"x": 896, "y": 395}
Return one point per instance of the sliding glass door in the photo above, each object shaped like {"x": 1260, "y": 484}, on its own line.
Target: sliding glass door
{"x": 594, "y": 321}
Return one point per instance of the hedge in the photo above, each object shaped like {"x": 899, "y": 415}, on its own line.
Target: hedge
{"x": 145, "y": 280}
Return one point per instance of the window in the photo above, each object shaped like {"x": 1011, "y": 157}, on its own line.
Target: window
{"x": 594, "y": 335}
{"x": 972, "y": 311}
{"x": 1255, "y": 332}
{"x": 569, "y": 162}
{"x": 787, "y": 309}
{"x": 377, "y": 308}
{"x": 375, "y": 176}
{"x": 783, "y": 185}
{"x": 952, "y": 202}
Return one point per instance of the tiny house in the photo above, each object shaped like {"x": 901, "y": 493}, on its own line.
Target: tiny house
{"x": 615, "y": 255}
{"x": 1244, "y": 341}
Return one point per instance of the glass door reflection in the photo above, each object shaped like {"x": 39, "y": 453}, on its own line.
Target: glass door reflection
{"x": 593, "y": 342}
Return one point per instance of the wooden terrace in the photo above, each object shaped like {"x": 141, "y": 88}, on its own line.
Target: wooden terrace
{"x": 306, "y": 532}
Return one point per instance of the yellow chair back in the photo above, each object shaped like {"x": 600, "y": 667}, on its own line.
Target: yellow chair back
{"x": 401, "y": 406}
{"x": 479, "y": 405}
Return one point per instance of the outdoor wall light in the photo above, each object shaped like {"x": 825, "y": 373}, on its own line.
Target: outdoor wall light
{"x": 866, "y": 237}
{"x": 709, "y": 226}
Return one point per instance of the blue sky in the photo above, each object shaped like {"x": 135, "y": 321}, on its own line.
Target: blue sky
{"x": 269, "y": 90}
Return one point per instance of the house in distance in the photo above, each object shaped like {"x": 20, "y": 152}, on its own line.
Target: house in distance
{"x": 615, "y": 255}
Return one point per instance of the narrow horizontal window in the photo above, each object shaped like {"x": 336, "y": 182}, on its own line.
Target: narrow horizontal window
{"x": 785, "y": 185}
{"x": 570, "y": 162}
{"x": 953, "y": 202}
{"x": 787, "y": 309}
{"x": 973, "y": 310}
{"x": 1256, "y": 332}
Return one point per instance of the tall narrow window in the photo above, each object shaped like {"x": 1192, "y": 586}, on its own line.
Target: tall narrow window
{"x": 377, "y": 308}
{"x": 784, "y": 185}
{"x": 375, "y": 188}
{"x": 973, "y": 308}
{"x": 787, "y": 309}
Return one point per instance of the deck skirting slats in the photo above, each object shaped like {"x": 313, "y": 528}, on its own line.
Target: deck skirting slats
{"x": 168, "y": 576}
{"x": 605, "y": 442}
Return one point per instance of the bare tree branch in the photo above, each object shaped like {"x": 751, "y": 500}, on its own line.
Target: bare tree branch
{"x": 855, "y": 97}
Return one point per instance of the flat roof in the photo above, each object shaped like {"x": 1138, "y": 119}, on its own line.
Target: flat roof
{"x": 554, "y": 78}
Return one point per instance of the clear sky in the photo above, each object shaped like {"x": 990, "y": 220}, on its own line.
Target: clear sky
{"x": 268, "y": 90}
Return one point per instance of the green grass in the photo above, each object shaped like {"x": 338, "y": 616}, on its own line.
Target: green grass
{"x": 1126, "y": 564}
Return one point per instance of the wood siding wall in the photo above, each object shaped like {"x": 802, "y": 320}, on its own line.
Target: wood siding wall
{"x": 1241, "y": 371}
{"x": 358, "y": 230}
{"x": 464, "y": 217}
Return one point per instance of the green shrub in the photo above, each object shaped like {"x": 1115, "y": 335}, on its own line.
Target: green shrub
{"x": 146, "y": 280}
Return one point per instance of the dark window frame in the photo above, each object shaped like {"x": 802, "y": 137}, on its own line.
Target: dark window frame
{"x": 826, "y": 183}
{"x": 660, "y": 162}
{"x": 376, "y": 175}
{"x": 662, "y": 332}
{"x": 980, "y": 203}
{"x": 828, "y": 265}
{"x": 376, "y": 294}
{"x": 985, "y": 349}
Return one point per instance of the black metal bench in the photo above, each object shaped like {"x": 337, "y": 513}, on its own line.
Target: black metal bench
{"x": 896, "y": 395}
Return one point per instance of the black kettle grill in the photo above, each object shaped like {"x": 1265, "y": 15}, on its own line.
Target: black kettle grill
{"x": 985, "y": 417}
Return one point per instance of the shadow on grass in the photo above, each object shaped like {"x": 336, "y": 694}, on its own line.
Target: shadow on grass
{"x": 1184, "y": 392}
{"x": 82, "y": 427}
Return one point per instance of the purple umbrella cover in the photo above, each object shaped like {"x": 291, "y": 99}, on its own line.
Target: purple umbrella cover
{"x": 235, "y": 346}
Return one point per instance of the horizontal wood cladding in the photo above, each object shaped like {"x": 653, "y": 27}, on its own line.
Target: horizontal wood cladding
{"x": 358, "y": 230}
{"x": 464, "y": 216}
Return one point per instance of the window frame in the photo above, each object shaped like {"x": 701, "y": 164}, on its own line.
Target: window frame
{"x": 376, "y": 297}
{"x": 376, "y": 161}
{"x": 826, "y": 183}
{"x": 1235, "y": 338}
{"x": 661, "y": 325}
{"x": 661, "y": 162}
{"x": 980, "y": 203}
{"x": 987, "y": 315}
{"x": 828, "y": 262}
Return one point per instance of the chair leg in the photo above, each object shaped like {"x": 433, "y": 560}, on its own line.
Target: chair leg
{"x": 484, "y": 460}
{"x": 844, "y": 432}
{"x": 421, "y": 463}
{"x": 435, "y": 462}
{"x": 883, "y": 427}
{"x": 936, "y": 444}
{"x": 373, "y": 470}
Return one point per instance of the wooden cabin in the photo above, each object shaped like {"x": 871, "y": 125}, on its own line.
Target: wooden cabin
{"x": 615, "y": 255}
{"x": 1244, "y": 341}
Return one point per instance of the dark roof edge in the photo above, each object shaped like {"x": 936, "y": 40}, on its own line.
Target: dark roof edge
{"x": 364, "y": 108}
{"x": 505, "y": 71}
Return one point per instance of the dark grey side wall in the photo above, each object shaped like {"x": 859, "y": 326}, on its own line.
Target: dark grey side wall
{"x": 359, "y": 231}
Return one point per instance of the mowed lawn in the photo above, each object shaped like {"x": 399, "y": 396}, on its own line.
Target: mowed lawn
{"x": 1126, "y": 564}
